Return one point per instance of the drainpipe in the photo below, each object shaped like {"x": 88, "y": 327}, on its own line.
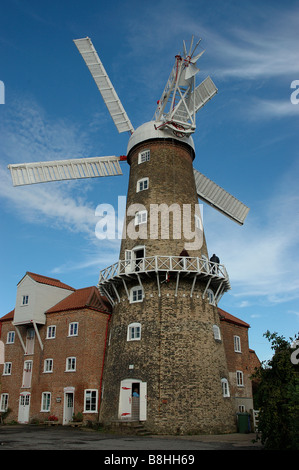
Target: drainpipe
{"x": 101, "y": 379}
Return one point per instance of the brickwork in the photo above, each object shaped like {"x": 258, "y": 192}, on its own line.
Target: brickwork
{"x": 171, "y": 182}
{"x": 239, "y": 361}
{"x": 87, "y": 347}
{"x": 177, "y": 356}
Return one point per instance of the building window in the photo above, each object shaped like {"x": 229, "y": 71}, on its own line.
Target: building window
{"x": 51, "y": 332}
{"x": 70, "y": 364}
{"x": 136, "y": 294}
{"x": 7, "y": 368}
{"x": 225, "y": 387}
{"x": 10, "y": 337}
{"x": 90, "y": 401}
{"x": 240, "y": 378}
{"x": 237, "y": 343}
{"x": 144, "y": 156}
{"x": 198, "y": 222}
{"x": 211, "y": 297}
{"x": 140, "y": 217}
{"x": 4, "y": 402}
{"x": 46, "y": 401}
{"x": 134, "y": 332}
{"x": 142, "y": 184}
{"x": 25, "y": 300}
{"x": 216, "y": 331}
{"x": 48, "y": 365}
{"x": 241, "y": 408}
{"x": 73, "y": 329}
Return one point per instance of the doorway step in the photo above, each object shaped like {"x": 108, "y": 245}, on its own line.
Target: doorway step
{"x": 136, "y": 428}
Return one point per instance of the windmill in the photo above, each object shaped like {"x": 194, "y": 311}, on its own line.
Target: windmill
{"x": 175, "y": 116}
{"x": 164, "y": 301}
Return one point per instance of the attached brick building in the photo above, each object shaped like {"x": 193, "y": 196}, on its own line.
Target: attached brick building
{"x": 53, "y": 365}
{"x": 54, "y": 359}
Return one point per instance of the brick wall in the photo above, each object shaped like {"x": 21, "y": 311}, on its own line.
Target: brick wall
{"x": 87, "y": 347}
{"x": 177, "y": 357}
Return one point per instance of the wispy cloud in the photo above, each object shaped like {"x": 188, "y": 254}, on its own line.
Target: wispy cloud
{"x": 27, "y": 135}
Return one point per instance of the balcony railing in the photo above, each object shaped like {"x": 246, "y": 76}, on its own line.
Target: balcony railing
{"x": 164, "y": 263}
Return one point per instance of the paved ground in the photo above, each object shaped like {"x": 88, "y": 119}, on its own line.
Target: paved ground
{"x": 19, "y": 437}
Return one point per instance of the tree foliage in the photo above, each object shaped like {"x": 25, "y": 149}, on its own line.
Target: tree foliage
{"x": 278, "y": 396}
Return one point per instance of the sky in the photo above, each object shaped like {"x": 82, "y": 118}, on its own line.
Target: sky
{"x": 246, "y": 138}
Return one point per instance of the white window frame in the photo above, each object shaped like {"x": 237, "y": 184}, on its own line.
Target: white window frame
{"x": 211, "y": 297}
{"x": 142, "y": 184}
{"x": 198, "y": 222}
{"x": 4, "y": 402}
{"x": 25, "y": 299}
{"x": 134, "y": 332}
{"x": 71, "y": 363}
{"x": 225, "y": 387}
{"x": 144, "y": 156}
{"x": 73, "y": 328}
{"x": 46, "y": 402}
{"x": 141, "y": 217}
{"x": 237, "y": 344}
{"x": 240, "y": 378}
{"x": 51, "y": 332}
{"x": 7, "y": 368}
{"x": 91, "y": 402}
{"x": 217, "y": 332}
{"x": 48, "y": 365}
{"x": 134, "y": 298}
{"x": 10, "y": 337}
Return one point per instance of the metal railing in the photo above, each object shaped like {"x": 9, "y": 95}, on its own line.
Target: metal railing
{"x": 163, "y": 263}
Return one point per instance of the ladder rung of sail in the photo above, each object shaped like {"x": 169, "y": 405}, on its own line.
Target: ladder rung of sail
{"x": 197, "y": 99}
{"x": 44, "y": 172}
{"x": 214, "y": 195}
{"x": 97, "y": 70}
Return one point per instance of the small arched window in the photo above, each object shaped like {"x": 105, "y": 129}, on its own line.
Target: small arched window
{"x": 136, "y": 294}
{"x": 225, "y": 387}
{"x": 216, "y": 332}
{"x": 142, "y": 184}
{"x": 134, "y": 332}
{"x": 211, "y": 297}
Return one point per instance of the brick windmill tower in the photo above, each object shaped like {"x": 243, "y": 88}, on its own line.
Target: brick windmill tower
{"x": 164, "y": 365}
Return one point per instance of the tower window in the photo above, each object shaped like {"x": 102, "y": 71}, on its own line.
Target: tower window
{"x": 142, "y": 184}
{"x": 216, "y": 331}
{"x": 136, "y": 294}
{"x": 140, "y": 217}
{"x": 211, "y": 297}
{"x": 134, "y": 332}
{"x": 225, "y": 388}
{"x": 144, "y": 156}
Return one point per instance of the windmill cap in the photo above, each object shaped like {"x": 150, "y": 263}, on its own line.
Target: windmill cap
{"x": 149, "y": 131}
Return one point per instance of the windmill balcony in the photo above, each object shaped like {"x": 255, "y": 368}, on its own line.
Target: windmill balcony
{"x": 214, "y": 275}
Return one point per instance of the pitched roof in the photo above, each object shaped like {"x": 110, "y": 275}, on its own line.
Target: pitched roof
{"x": 9, "y": 316}
{"x": 47, "y": 280}
{"x": 88, "y": 297}
{"x": 231, "y": 319}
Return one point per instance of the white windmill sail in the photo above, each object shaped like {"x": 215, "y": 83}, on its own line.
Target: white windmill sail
{"x": 58, "y": 170}
{"x": 97, "y": 70}
{"x": 217, "y": 197}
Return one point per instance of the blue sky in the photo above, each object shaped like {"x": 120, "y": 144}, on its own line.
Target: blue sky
{"x": 246, "y": 138}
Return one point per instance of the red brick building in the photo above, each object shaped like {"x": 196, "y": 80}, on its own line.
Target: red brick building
{"x": 55, "y": 352}
{"x": 241, "y": 360}
{"x": 53, "y": 366}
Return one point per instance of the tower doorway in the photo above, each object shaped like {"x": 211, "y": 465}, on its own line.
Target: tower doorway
{"x": 132, "y": 400}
